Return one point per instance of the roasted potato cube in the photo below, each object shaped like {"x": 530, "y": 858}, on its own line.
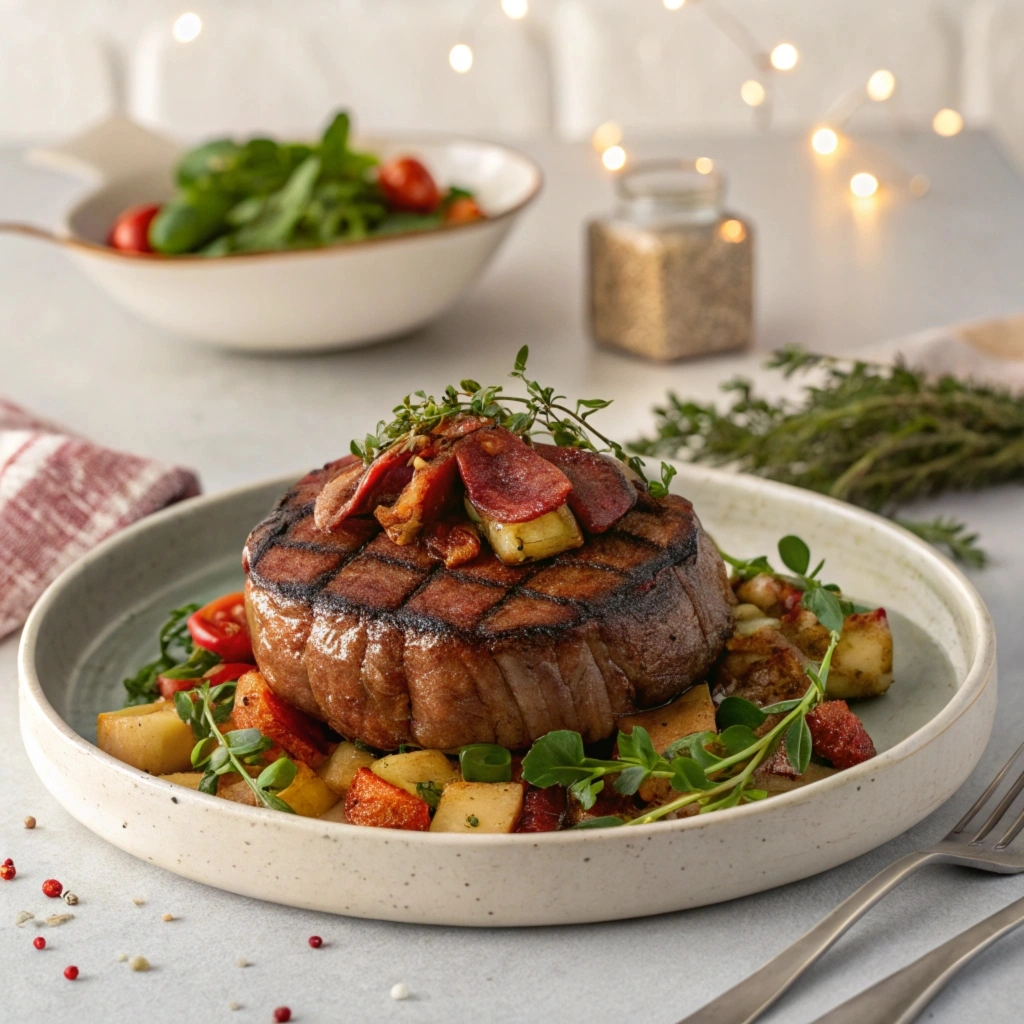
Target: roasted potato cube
{"x": 258, "y": 707}
{"x": 337, "y": 771}
{"x": 479, "y": 807}
{"x": 694, "y": 711}
{"x": 188, "y": 779}
{"x": 542, "y": 537}
{"x": 862, "y": 662}
{"x": 418, "y": 766}
{"x": 308, "y": 795}
{"x": 150, "y": 736}
{"x": 373, "y": 801}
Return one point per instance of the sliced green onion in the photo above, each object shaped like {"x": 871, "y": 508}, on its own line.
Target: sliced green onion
{"x": 485, "y": 762}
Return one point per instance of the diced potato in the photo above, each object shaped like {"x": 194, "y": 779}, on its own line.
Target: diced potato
{"x": 547, "y": 535}
{"x": 418, "y": 766}
{"x": 862, "y": 662}
{"x": 694, "y": 711}
{"x": 308, "y": 795}
{"x": 188, "y": 779}
{"x": 150, "y": 736}
{"x": 337, "y": 771}
{"x": 336, "y": 813}
{"x": 478, "y": 807}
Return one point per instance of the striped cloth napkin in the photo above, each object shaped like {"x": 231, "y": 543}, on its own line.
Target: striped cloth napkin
{"x": 60, "y": 495}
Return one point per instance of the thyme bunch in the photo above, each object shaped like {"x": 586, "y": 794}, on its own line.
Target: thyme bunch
{"x": 540, "y": 412}
{"x": 876, "y": 436}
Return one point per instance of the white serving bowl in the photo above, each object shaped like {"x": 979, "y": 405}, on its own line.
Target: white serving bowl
{"x": 98, "y": 622}
{"x": 335, "y": 297}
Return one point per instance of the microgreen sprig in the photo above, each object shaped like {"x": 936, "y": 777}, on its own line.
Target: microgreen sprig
{"x": 176, "y": 647}
{"x": 217, "y": 753}
{"x": 540, "y": 412}
{"x": 714, "y": 779}
{"x": 823, "y": 599}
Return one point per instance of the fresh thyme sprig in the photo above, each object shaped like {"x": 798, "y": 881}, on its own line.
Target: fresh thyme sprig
{"x": 217, "y": 753}
{"x": 876, "y": 436}
{"x": 541, "y": 412}
{"x": 176, "y": 648}
{"x": 713, "y": 778}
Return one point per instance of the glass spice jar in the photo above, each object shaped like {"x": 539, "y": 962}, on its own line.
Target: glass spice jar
{"x": 671, "y": 273}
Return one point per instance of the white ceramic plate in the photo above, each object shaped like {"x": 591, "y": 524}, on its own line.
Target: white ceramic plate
{"x": 334, "y": 297}
{"x": 97, "y": 623}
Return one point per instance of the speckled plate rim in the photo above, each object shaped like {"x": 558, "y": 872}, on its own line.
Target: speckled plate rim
{"x": 978, "y": 676}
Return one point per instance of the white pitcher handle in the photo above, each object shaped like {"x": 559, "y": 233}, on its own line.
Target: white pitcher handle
{"x": 114, "y": 149}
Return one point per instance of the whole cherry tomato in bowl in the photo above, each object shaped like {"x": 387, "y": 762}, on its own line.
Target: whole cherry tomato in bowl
{"x": 407, "y": 185}
{"x": 221, "y": 627}
{"x": 130, "y": 232}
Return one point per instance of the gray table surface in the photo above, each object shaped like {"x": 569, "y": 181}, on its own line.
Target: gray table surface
{"x": 829, "y": 276}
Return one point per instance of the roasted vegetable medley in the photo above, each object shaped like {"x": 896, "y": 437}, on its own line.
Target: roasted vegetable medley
{"x": 772, "y": 715}
{"x": 262, "y": 195}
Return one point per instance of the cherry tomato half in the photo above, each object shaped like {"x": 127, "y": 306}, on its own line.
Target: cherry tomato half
{"x": 130, "y": 232}
{"x": 220, "y": 627}
{"x": 407, "y": 185}
{"x": 462, "y": 210}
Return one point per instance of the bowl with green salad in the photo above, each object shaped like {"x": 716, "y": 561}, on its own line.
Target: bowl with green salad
{"x": 283, "y": 245}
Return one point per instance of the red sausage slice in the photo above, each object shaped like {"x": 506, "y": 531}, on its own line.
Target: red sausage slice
{"x": 354, "y": 492}
{"x": 601, "y": 493}
{"x": 506, "y": 480}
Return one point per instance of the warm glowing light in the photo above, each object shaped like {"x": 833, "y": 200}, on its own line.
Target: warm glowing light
{"x": 784, "y": 57}
{"x": 673, "y": 5}
{"x": 824, "y": 141}
{"x": 515, "y": 9}
{"x": 732, "y": 230}
{"x": 704, "y": 165}
{"x": 947, "y": 122}
{"x": 863, "y": 185}
{"x": 460, "y": 58}
{"x": 606, "y": 135}
{"x": 187, "y": 27}
{"x": 614, "y": 158}
{"x": 881, "y": 85}
{"x": 752, "y": 93}
{"x": 919, "y": 185}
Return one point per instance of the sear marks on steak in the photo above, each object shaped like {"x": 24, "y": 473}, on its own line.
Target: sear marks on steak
{"x": 387, "y": 645}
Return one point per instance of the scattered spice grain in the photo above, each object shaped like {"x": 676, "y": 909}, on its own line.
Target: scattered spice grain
{"x": 400, "y": 991}
{"x": 70, "y": 898}
{"x": 166, "y": 917}
{"x": 138, "y": 963}
{"x": 39, "y": 942}
{"x": 282, "y": 1015}
{"x": 138, "y": 901}
{"x": 30, "y": 822}
{"x": 315, "y": 941}
{"x": 23, "y": 916}
{"x": 71, "y": 973}
{"x": 52, "y": 888}
{"x": 7, "y": 870}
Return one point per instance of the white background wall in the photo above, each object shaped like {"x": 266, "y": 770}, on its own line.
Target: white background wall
{"x": 282, "y": 65}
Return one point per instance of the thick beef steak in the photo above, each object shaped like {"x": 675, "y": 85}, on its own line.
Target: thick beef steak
{"x": 388, "y": 646}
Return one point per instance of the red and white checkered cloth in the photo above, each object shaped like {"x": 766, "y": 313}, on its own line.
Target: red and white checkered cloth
{"x": 60, "y": 495}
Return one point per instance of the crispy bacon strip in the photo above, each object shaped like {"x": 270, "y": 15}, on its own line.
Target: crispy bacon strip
{"x": 506, "y": 480}
{"x": 353, "y": 494}
{"x": 453, "y": 541}
{"x": 431, "y": 488}
{"x": 601, "y": 492}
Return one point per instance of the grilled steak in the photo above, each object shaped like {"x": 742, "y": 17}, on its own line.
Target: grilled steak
{"x": 388, "y": 646}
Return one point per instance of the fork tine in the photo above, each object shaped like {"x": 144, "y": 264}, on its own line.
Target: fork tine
{"x": 984, "y": 798}
{"x": 1000, "y": 809}
{"x": 1011, "y": 833}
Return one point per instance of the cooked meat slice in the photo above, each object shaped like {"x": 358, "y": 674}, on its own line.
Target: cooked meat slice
{"x": 388, "y": 645}
{"x": 601, "y": 493}
{"x": 506, "y": 480}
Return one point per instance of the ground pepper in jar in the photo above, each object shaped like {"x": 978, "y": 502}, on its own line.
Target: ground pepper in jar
{"x": 671, "y": 272}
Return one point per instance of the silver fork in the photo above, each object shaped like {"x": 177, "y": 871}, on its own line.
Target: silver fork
{"x": 750, "y": 998}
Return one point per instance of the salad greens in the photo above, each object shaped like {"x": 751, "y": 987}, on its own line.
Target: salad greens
{"x": 262, "y": 195}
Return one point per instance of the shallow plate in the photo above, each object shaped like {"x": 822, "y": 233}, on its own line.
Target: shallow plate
{"x": 98, "y": 622}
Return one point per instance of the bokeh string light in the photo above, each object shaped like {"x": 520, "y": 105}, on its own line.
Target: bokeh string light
{"x": 461, "y": 58}
{"x": 614, "y": 158}
{"x": 824, "y": 141}
{"x": 515, "y": 9}
{"x": 187, "y": 27}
